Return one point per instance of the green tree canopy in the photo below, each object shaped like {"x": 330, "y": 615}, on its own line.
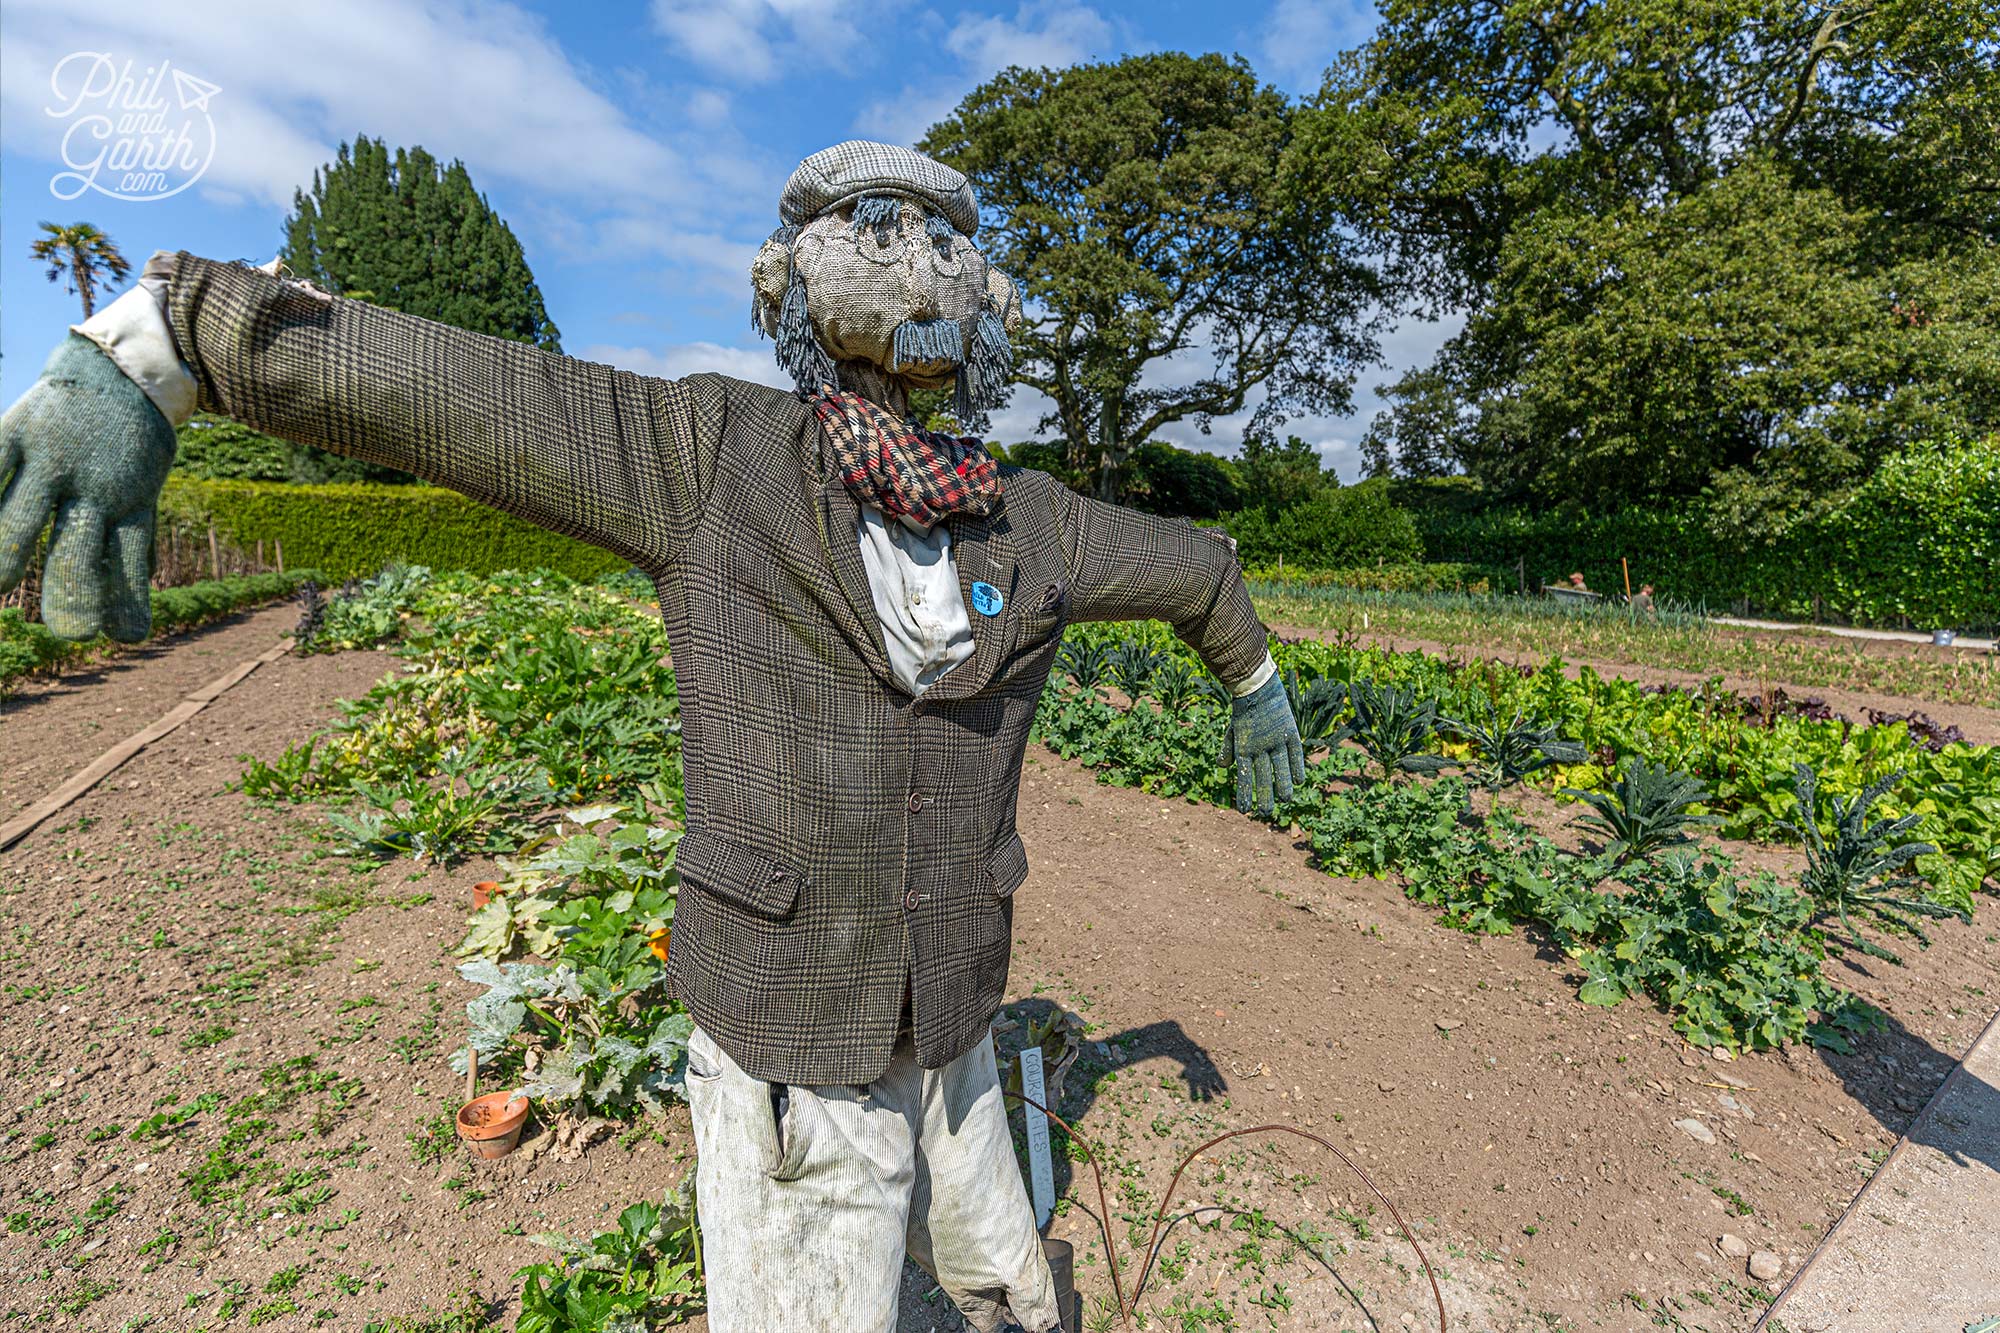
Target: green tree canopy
{"x": 82, "y": 257}
{"x": 1740, "y": 245}
{"x": 1144, "y": 207}
{"x": 409, "y": 233}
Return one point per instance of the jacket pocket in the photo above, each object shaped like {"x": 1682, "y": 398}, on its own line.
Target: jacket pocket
{"x": 1007, "y": 866}
{"x": 725, "y": 868}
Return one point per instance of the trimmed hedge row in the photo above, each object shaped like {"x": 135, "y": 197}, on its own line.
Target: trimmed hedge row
{"x": 1918, "y": 542}
{"x": 350, "y": 531}
{"x": 27, "y": 646}
{"x": 1406, "y": 577}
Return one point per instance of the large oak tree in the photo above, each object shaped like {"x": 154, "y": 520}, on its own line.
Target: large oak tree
{"x": 1741, "y": 246}
{"x": 1170, "y": 272}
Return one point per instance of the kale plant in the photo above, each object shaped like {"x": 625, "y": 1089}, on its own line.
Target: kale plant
{"x": 1393, "y": 725}
{"x": 1318, "y": 708}
{"x": 1857, "y": 872}
{"x": 1512, "y": 750}
{"x": 1646, "y": 812}
{"x": 1132, "y": 665}
{"x": 1086, "y": 664}
{"x": 1175, "y": 684}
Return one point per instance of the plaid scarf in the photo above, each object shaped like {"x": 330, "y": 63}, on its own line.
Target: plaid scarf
{"x": 903, "y": 469}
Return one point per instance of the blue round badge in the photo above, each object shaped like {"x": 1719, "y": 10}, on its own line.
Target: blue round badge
{"x": 986, "y": 599}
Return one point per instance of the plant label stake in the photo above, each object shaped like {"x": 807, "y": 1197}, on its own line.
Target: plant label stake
{"x": 1041, "y": 1176}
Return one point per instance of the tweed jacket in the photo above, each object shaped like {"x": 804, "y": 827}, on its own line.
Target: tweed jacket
{"x": 846, "y": 844}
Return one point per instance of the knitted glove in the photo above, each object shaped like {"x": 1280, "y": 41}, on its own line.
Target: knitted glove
{"x": 85, "y": 444}
{"x": 1263, "y": 744}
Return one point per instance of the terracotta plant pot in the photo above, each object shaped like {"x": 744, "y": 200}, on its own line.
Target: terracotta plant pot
{"x": 483, "y": 891}
{"x": 491, "y": 1125}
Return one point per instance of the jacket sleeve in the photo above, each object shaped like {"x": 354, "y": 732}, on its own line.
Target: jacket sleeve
{"x": 1125, "y": 565}
{"x": 619, "y": 460}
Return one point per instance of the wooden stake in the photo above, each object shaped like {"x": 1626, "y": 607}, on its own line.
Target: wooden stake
{"x": 214, "y": 554}
{"x": 1628, "y": 577}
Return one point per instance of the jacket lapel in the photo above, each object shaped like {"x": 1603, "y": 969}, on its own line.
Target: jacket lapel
{"x": 839, "y": 516}
{"x": 981, "y": 548}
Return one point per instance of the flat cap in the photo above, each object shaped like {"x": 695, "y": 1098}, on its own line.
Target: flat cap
{"x": 840, "y": 174}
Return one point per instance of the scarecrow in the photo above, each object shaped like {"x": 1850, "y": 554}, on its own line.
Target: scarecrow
{"x": 862, "y": 615}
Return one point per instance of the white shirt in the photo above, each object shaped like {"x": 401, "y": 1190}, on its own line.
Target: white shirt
{"x": 912, "y": 577}
{"x": 914, "y": 583}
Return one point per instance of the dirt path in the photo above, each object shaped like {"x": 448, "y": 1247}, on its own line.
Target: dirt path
{"x": 272, "y": 1022}
{"x": 1980, "y": 725}
{"x": 55, "y": 725}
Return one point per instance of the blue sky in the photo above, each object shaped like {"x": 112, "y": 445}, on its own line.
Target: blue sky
{"x": 637, "y": 149}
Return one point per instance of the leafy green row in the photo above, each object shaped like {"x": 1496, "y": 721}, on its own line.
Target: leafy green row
{"x": 1748, "y": 764}
{"x": 1734, "y": 959}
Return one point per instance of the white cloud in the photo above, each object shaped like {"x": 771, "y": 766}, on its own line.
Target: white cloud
{"x": 1051, "y": 32}
{"x": 752, "y": 41}
{"x": 1299, "y": 38}
{"x": 489, "y": 85}
{"x": 1041, "y": 33}
{"x": 755, "y": 364}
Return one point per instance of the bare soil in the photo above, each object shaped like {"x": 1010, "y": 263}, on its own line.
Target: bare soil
{"x": 53, "y": 725}
{"x": 1981, "y": 725}
{"x": 168, "y": 941}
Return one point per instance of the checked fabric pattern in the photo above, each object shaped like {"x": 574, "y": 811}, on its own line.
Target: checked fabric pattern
{"x": 903, "y": 469}
{"x": 846, "y": 844}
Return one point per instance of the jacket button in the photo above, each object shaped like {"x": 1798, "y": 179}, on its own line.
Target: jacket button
{"x": 911, "y": 899}
{"x": 916, "y": 802}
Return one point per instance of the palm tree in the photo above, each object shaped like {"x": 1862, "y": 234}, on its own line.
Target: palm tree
{"x": 85, "y": 256}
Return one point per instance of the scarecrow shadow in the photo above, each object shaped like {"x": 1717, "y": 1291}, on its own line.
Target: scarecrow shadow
{"x": 1106, "y": 1054}
{"x": 1205, "y": 1083}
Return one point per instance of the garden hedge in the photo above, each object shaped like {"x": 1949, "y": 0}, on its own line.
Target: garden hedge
{"x": 1918, "y": 543}
{"x": 1399, "y": 577}
{"x": 351, "y": 530}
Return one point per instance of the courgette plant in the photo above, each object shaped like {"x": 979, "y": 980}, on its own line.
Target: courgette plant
{"x": 644, "y": 1274}
{"x": 1857, "y": 871}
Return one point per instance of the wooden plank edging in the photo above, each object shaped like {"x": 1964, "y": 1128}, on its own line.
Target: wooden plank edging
{"x": 101, "y": 767}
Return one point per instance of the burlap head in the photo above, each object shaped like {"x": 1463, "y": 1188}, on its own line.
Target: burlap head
{"x": 883, "y": 272}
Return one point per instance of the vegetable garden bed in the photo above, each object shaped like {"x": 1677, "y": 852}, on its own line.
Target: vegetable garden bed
{"x": 1227, "y": 980}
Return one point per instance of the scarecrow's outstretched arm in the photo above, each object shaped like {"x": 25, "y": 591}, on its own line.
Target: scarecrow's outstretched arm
{"x": 616, "y": 459}
{"x": 1127, "y": 565}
